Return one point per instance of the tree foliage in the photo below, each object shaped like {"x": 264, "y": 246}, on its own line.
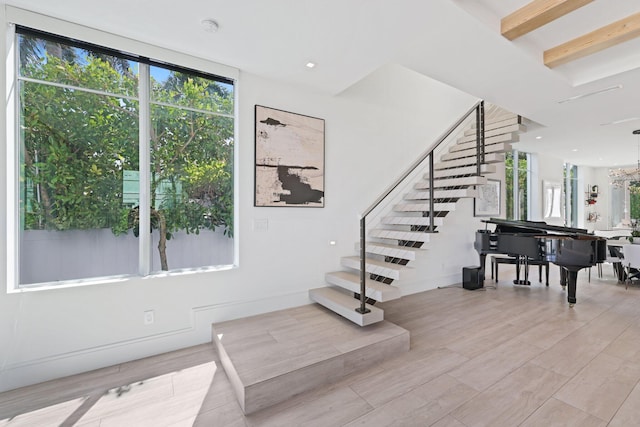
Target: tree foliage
{"x": 76, "y": 146}
{"x": 521, "y": 165}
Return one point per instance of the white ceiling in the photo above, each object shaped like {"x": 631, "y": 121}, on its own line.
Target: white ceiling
{"x": 455, "y": 41}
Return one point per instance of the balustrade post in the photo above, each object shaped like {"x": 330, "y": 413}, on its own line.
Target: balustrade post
{"x": 363, "y": 267}
{"x": 479, "y": 137}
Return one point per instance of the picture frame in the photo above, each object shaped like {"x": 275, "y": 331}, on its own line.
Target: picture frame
{"x": 289, "y": 159}
{"x": 488, "y": 200}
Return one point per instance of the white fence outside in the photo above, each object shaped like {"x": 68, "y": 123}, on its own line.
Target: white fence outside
{"x": 49, "y": 256}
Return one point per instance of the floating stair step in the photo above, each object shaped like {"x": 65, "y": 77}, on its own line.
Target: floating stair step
{"x": 424, "y": 207}
{"x": 496, "y": 123}
{"x": 492, "y": 133}
{"x": 374, "y": 266}
{"x": 441, "y": 194}
{"x": 411, "y": 236}
{"x": 465, "y": 161}
{"x": 472, "y": 144}
{"x": 374, "y": 290}
{"x": 502, "y": 147}
{"x": 411, "y": 220}
{"x": 345, "y": 305}
{"x": 463, "y": 171}
{"x": 393, "y": 251}
{"x": 452, "y": 182}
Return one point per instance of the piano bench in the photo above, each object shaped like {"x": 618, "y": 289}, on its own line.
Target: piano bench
{"x": 496, "y": 260}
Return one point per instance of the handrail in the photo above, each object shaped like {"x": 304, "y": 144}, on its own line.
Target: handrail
{"x": 421, "y": 159}
{"x": 478, "y": 108}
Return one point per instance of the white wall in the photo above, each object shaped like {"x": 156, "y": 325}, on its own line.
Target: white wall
{"x": 372, "y": 133}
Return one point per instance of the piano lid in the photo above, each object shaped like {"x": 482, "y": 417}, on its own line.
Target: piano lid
{"x": 514, "y": 226}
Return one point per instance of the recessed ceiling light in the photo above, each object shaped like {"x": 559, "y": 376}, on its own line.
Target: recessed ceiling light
{"x": 209, "y": 25}
{"x": 574, "y": 150}
{"x": 595, "y": 92}
{"x": 310, "y": 64}
{"x": 538, "y": 137}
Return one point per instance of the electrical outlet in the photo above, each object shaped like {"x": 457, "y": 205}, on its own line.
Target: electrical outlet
{"x": 149, "y": 317}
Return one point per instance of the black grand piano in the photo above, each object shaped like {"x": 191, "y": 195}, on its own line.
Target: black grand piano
{"x": 570, "y": 248}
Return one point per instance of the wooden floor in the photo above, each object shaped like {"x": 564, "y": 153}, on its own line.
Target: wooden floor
{"x": 510, "y": 356}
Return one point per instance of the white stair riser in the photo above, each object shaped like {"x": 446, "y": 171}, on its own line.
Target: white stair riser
{"x": 411, "y": 236}
{"x": 345, "y": 306}
{"x": 424, "y": 207}
{"x": 452, "y": 182}
{"x": 472, "y": 145}
{"x": 443, "y": 194}
{"x": 495, "y": 123}
{"x": 466, "y": 161}
{"x": 393, "y": 251}
{"x": 375, "y": 290}
{"x": 467, "y": 170}
{"x": 391, "y": 271}
{"x": 411, "y": 220}
{"x": 502, "y": 147}
{"x": 491, "y": 133}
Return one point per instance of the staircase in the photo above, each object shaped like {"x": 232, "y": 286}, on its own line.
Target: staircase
{"x": 470, "y": 149}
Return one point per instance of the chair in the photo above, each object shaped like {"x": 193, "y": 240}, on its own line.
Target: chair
{"x": 632, "y": 262}
{"x": 615, "y": 258}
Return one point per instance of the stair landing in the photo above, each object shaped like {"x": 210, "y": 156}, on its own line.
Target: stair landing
{"x": 272, "y": 357}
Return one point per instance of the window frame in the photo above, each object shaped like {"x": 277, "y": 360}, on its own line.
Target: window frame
{"x": 69, "y": 32}
{"x": 514, "y": 195}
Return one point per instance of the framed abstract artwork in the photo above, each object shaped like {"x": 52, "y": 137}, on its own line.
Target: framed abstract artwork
{"x": 487, "y": 202}
{"x": 289, "y": 159}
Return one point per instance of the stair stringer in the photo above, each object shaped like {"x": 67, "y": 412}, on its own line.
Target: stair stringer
{"x": 412, "y": 252}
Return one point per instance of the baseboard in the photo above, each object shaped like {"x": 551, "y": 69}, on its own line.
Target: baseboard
{"x": 431, "y": 283}
{"x": 55, "y": 366}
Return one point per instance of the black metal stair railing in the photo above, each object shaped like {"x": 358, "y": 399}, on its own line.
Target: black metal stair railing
{"x": 478, "y": 110}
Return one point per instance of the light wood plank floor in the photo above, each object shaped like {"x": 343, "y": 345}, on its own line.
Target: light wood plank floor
{"x": 510, "y": 356}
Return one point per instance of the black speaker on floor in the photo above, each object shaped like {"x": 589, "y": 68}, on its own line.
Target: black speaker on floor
{"x": 472, "y": 278}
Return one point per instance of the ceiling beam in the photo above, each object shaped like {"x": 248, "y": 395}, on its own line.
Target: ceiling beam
{"x": 536, "y": 14}
{"x": 595, "y": 41}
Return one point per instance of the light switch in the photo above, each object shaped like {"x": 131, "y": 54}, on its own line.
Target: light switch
{"x": 261, "y": 224}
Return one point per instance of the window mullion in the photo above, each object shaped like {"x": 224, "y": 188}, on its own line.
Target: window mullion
{"x": 144, "y": 261}
{"x": 12, "y": 162}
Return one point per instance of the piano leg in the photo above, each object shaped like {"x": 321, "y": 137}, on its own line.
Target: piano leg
{"x": 483, "y": 260}
{"x": 563, "y": 277}
{"x": 571, "y": 290}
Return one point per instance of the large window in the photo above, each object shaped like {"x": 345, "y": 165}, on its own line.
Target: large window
{"x": 125, "y": 164}
{"x": 518, "y": 178}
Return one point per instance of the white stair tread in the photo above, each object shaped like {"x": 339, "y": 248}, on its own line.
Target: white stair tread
{"x": 496, "y": 124}
{"x": 462, "y": 171}
{"x": 502, "y": 147}
{"x": 441, "y": 194}
{"x": 465, "y": 161}
{"x": 351, "y": 282}
{"x": 374, "y": 266}
{"x": 424, "y": 207}
{"x": 394, "y": 251}
{"x": 493, "y": 132}
{"x": 411, "y": 236}
{"x": 411, "y": 220}
{"x": 452, "y": 182}
{"x": 345, "y": 305}
{"x": 471, "y": 144}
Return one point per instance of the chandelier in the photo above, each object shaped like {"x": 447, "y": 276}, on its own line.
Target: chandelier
{"x": 619, "y": 176}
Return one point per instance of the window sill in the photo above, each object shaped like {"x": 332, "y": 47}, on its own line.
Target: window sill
{"x": 65, "y": 284}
